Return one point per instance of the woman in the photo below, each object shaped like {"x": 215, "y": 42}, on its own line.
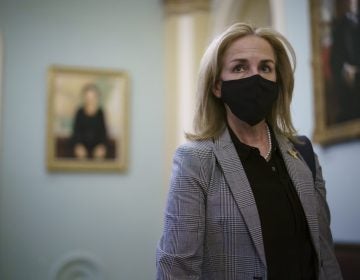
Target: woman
{"x": 243, "y": 203}
{"x": 89, "y": 139}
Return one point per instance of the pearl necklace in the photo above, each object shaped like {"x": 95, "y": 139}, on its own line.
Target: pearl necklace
{"x": 267, "y": 156}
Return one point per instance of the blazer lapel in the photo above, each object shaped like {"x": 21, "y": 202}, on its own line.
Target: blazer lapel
{"x": 239, "y": 185}
{"x": 302, "y": 179}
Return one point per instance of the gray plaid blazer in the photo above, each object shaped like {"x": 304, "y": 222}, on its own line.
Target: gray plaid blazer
{"x": 212, "y": 228}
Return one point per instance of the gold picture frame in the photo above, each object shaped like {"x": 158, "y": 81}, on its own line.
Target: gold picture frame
{"x": 337, "y": 92}
{"x": 87, "y": 124}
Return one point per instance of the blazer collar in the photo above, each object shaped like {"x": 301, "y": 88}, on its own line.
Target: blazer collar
{"x": 240, "y": 187}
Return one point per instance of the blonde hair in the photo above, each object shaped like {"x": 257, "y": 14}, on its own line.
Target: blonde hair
{"x": 210, "y": 115}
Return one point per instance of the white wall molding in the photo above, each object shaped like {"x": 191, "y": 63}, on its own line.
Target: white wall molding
{"x": 225, "y": 12}
{"x": 277, "y": 8}
{"x": 185, "y": 6}
{"x": 186, "y": 34}
{"x": 185, "y": 74}
{"x": 1, "y": 88}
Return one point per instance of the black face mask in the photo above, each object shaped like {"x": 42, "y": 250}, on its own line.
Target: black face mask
{"x": 250, "y": 99}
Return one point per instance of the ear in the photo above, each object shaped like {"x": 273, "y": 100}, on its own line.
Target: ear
{"x": 217, "y": 89}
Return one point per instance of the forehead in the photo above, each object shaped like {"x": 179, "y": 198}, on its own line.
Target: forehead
{"x": 91, "y": 92}
{"x": 248, "y": 47}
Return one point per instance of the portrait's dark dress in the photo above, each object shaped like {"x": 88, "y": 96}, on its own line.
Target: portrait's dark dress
{"x": 89, "y": 131}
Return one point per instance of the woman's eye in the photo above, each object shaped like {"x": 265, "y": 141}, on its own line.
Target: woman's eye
{"x": 266, "y": 69}
{"x": 239, "y": 68}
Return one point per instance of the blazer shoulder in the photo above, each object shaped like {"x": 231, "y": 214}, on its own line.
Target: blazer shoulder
{"x": 202, "y": 149}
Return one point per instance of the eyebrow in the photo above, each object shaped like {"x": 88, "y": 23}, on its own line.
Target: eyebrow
{"x": 245, "y": 60}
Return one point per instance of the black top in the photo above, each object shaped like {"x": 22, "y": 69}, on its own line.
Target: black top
{"x": 288, "y": 248}
{"x": 89, "y": 131}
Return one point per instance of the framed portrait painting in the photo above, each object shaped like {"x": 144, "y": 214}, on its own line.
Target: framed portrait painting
{"x": 336, "y": 69}
{"x": 87, "y": 126}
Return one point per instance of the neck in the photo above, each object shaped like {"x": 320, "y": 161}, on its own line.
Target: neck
{"x": 90, "y": 110}
{"x": 249, "y": 135}
{"x": 256, "y": 136}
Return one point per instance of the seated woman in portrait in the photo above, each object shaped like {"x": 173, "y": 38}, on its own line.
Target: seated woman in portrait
{"x": 89, "y": 138}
